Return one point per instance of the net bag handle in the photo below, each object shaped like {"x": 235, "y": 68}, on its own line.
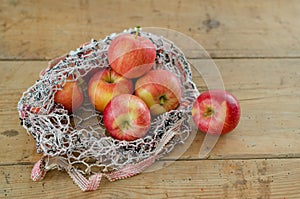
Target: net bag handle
{"x": 41, "y": 167}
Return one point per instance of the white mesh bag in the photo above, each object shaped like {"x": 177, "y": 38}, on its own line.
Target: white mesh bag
{"x": 78, "y": 142}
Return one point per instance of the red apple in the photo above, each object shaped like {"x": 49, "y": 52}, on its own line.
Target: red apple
{"x": 131, "y": 55}
{"x": 216, "y": 112}
{"x": 160, "y": 90}
{"x": 70, "y": 96}
{"x": 106, "y": 84}
{"x": 127, "y": 117}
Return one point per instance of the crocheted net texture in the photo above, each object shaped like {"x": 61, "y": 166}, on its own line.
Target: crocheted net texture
{"x": 78, "y": 142}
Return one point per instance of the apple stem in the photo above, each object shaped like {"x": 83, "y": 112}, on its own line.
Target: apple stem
{"x": 137, "y": 31}
{"x": 208, "y": 112}
{"x": 110, "y": 78}
{"x": 124, "y": 125}
{"x": 162, "y": 100}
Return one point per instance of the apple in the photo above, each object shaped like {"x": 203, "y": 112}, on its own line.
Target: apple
{"x": 131, "y": 55}
{"x": 127, "y": 117}
{"x": 70, "y": 96}
{"x": 216, "y": 112}
{"x": 104, "y": 85}
{"x": 160, "y": 90}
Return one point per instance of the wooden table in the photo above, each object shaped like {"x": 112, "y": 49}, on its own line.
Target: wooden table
{"x": 256, "y": 46}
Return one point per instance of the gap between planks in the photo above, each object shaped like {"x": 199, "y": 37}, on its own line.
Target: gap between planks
{"x": 192, "y": 58}
{"x": 186, "y": 160}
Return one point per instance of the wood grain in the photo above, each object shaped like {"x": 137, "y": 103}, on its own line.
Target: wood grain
{"x": 46, "y": 29}
{"x": 268, "y": 90}
{"x": 256, "y": 48}
{"x": 214, "y": 179}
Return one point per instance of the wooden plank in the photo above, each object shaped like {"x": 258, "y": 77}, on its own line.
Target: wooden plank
{"x": 268, "y": 90}
{"x": 46, "y": 29}
{"x": 16, "y": 77}
{"x": 276, "y": 179}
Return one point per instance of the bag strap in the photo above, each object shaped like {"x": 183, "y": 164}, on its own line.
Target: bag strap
{"x": 42, "y": 166}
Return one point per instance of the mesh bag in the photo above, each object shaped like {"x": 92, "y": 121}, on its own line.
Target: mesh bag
{"x": 78, "y": 142}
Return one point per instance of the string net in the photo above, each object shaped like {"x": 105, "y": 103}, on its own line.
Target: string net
{"x": 78, "y": 142}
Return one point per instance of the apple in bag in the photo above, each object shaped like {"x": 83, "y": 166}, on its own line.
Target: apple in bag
{"x": 160, "y": 90}
{"x": 104, "y": 85}
{"x": 131, "y": 55}
{"x": 127, "y": 117}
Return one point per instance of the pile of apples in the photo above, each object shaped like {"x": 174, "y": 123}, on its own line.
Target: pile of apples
{"x": 130, "y": 92}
